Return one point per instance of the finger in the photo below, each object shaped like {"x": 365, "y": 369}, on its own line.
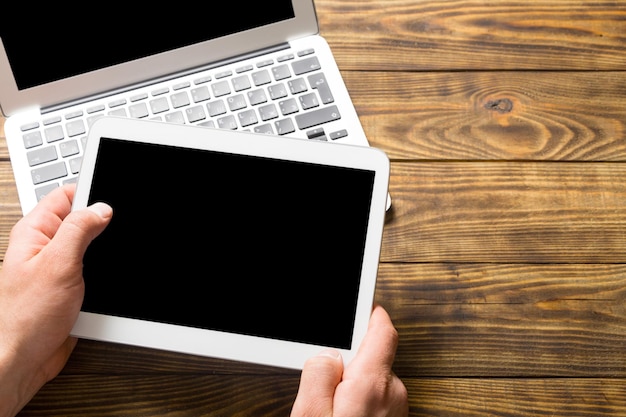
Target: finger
{"x": 35, "y": 230}
{"x": 320, "y": 376}
{"x": 378, "y": 349}
{"x": 77, "y": 231}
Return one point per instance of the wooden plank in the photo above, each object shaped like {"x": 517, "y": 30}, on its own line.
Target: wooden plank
{"x": 541, "y": 116}
{"x": 255, "y": 395}
{"x": 507, "y": 320}
{"x": 171, "y": 395}
{"x": 10, "y": 210}
{"x": 506, "y": 212}
{"x": 517, "y": 397}
{"x": 424, "y": 35}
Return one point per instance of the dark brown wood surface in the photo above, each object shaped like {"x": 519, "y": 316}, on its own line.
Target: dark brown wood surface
{"x": 504, "y": 255}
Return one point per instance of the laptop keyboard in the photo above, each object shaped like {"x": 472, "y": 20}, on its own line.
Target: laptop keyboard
{"x": 280, "y": 96}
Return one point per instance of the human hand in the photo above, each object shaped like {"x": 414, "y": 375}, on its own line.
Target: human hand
{"x": 41, "y": 293}
{"x": 367, "y": 386}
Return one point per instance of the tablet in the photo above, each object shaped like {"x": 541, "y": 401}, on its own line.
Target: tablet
{"x": 230, "y": 244}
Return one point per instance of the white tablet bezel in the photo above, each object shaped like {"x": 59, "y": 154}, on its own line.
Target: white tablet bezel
{"x": 216, "y": 343}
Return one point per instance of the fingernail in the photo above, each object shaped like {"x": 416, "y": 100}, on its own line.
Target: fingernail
{"x": 101, "y": 209}
{"x": 331, "y": 353}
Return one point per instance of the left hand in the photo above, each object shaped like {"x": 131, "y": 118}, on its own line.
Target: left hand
{"x": 41, "y": 293}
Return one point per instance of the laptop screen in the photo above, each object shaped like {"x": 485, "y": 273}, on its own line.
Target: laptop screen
{"x": 66, "y": 43}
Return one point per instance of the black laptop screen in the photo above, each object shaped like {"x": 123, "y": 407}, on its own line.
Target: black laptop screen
{"x": 55, "y": 42}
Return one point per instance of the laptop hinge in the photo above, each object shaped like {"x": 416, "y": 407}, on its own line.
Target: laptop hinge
{"x": 146, "y": 83}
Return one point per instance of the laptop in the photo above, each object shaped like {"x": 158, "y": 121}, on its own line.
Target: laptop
{"x": 200, "y": 259}
{"x": 259, "y": 67}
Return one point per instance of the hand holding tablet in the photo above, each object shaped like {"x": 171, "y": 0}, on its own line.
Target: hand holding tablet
{"x": 230, "y": 244}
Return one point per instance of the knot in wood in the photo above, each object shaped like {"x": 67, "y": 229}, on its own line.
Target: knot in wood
{"x": 503, "y": 105}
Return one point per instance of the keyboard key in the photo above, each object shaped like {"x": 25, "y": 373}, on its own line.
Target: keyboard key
{"x": 307, "y": 51}
{"x": 216, "y": 108}
{"x": 297, "y": 86}
{"x": 284, "y": 58}
{"x": 317, "y": 117}
{"x": 281, "y": 72}
{"x": 200, "y": 94}
{"x": 69, "y": 148}
{"x": 277, "y": 91}
{"x": 181, "y": 85}
{"x": 265, "y": 129}
{"x": 318, "y": 81}
{"x": 237, "y": 102}
{"x": 75, "y": 164}
{"x": 180, "y": 99}
{"x": 247, "y": 118}
{"x": 284, "y": 126}
{"x": 176, "y": 117}
{"x": 49, "y": 172}
{"x": 338, "y": 134}
{"x": 264, "y": 63}
{"x": 54, "y": 133}
{"x": 118, "y": 112}
{"x": 32, "y": 139}
{"x": 257, "y": 97}
{"x": 241, "y": 83}
{"x": 75, "y": 128}
{"x": 29, "y": 126}
{"x": 288, "y": 106}
{"x": 227, "y": 122}
{"x": 138, "y": 110}
{"x": 245, "y": 68}
{"x": 41, "y": 155}
{"x": 268, "y": 112}
{"x": 208, "y": 123}
{"x": 317, "y": 133}
{"x": 74, "y": 114}
{"x": 159, "y": 105}
{"x": 95, "y": 109}
{"x": 139, "y": 97}
{"x": 261, "y": 77}
{"x": 309, "y": 101}
{"x": 220, "y": 88}
{"x": 52, "y": 120}
{"x": 117, "y": 103}
{"x": 202, "y": 80}
{"x": 306, "y": 65}
{"x": 195, "y": 114}
{"x": 223, "y": 74}
{"x": 160, "y": 91}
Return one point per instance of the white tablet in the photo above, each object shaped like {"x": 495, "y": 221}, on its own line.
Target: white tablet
{"x": 230, "y": 244}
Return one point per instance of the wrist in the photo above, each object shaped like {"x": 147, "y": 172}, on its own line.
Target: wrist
{"x": 16, "y": 387}
{"x": 9, "y": 387}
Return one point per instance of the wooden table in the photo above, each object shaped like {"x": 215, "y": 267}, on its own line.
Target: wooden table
{"x": 504, "y": 257}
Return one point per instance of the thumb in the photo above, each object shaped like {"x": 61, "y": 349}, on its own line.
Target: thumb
{"x": 320, "y": 376}
{"x": 78, "y": 229}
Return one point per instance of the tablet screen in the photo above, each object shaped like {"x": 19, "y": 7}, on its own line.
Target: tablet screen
{"x": 236, "y": 243}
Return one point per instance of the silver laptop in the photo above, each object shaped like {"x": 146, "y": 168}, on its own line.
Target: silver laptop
{"x": 260, "y": 67}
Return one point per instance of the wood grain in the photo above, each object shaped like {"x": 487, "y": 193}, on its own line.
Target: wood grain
{"x": 206, "y": 395}
{"x": 531, "y": 212}
{"x": 423, "y": 35}
{"x": 538, "y": 116}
